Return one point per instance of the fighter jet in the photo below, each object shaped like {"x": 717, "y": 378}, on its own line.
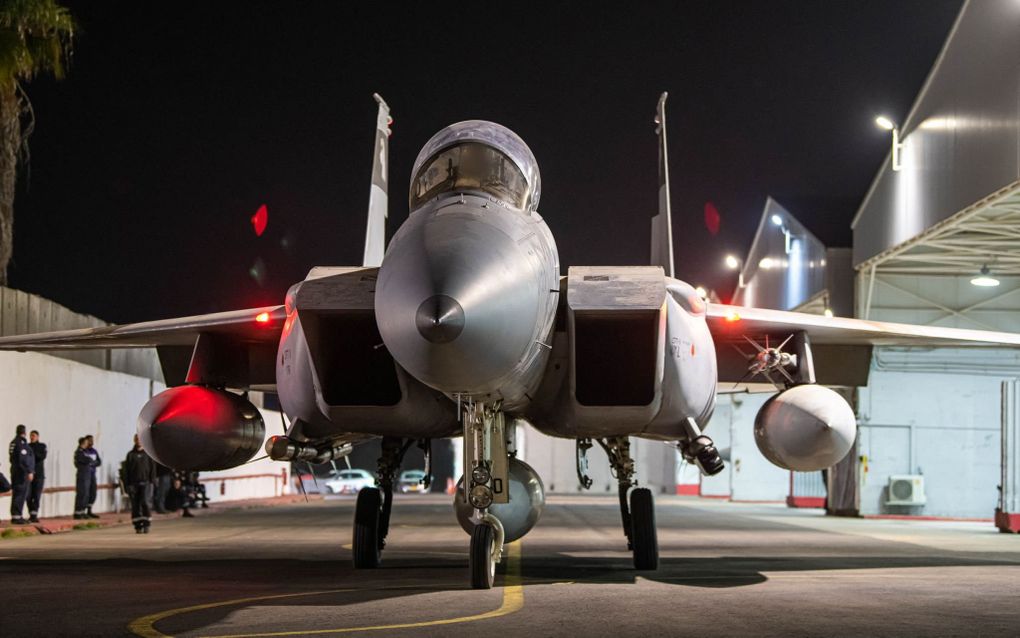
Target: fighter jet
{"x": 464, "y": 326}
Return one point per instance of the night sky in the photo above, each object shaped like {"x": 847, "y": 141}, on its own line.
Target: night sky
{"x": 177, "y": 122}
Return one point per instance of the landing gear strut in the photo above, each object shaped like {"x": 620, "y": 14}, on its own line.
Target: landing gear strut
{"x": 639, "y": 514}
{"x": 372, "y": 512}
{"x": 486, "y": 481}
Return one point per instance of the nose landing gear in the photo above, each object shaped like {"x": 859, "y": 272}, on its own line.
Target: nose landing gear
{"x": 487, "y": 482}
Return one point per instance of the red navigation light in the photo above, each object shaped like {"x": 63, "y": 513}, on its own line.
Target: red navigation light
{"x": 262, "y": 317}
{"x": 259, "y": 220}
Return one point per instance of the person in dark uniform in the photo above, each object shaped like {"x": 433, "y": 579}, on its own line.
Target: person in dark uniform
{"x": 86, "y": 460}
{"x": 180, "y": 496}
{"x": 22, "y": 473}
{"x": 139, "y": 479}
{"x": 36, "y": 489}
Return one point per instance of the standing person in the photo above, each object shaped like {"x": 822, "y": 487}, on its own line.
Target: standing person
{"x": 82, "y": 463}
{"x": 139, "y": 477}
{"x": 22, "y": 473}
{"x": 86, "y": 460}
{"x": 90, "y": 449}
{"x": 36, "y": 489}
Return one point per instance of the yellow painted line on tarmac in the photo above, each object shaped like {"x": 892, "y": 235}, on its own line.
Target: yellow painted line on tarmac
{"x": 513, "y": 601}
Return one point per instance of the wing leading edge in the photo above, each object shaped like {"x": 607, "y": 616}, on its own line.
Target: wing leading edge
{"x": 841, "y": 347}
{"x": 253, "y": 325}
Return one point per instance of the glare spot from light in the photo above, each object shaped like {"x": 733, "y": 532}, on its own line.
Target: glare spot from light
{"x": 701, "y": 292}
{"x": 884, "y": 123}
{"x": 828, "y": 312}
{"x": 731, "y": 316}
{"x": 732, "y": 262}
{"x": 262, "y": 317}
{"x": 777, "y": 219}
{"x": 766, "y": 263}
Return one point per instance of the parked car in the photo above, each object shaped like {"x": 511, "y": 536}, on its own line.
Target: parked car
{"x": 349, "y": 482}
{"x": 411, "y": 481}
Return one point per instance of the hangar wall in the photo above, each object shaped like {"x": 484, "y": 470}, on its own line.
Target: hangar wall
{"x": 748, "y": 475}
{"x": 554, "y": 460}
{"x": 961, "y": 140}
{"x": 935, "y": 413}
{"x": 66, "y": 399}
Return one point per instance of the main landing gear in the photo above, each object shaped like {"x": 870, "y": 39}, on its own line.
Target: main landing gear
{"x": 486, "y": 482}
{"x": 372, "y": 511}
{"x": 637, "y": 506}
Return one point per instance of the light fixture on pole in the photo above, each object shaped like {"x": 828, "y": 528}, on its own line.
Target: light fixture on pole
{"x": 733, "y": 263}
{"x": 885, "y": 123}
{"x": 984, "y": 278}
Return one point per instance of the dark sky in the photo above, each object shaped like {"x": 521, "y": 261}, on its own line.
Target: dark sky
{"x": 178, "y": 121}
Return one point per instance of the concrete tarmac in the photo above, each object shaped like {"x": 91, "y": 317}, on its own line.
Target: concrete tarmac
{"x": 726, "y": 569}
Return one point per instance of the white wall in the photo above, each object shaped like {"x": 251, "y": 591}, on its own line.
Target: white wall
{"x": 65, "y": 400}
{"x": 555, "y": 461}
{"x": 748, "y": 475}
{"x": 935, "y": 413}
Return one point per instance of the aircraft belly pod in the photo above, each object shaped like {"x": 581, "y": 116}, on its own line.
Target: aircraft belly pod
{"x": 463, "y": 326}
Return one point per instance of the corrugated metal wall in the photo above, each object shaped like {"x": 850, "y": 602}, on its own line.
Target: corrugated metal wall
{"x": 962, "y": 139}
{"x": 25, "y": 313}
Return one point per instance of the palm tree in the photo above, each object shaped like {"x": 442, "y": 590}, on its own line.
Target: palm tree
{"x": 35, "y": 38}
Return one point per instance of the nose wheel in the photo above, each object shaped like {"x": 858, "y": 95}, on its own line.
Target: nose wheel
{"x": 486, "y": 551}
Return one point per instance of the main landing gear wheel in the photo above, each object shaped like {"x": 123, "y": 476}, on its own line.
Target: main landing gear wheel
{"x": 482, "y": 557}
{"x": 643, "y": 536}
{"x": 366, "y": 529}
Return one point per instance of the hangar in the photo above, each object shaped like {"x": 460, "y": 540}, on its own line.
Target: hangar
{"x": 936, "y": 241}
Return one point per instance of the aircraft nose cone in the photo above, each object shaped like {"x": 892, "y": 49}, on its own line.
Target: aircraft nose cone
{"x": 440, "y": 319}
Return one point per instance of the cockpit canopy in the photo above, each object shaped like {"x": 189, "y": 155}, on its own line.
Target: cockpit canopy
{"x": 477, "y": 156}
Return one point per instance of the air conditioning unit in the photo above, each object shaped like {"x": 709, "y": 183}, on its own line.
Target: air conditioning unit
{"x": 906, "y": 489}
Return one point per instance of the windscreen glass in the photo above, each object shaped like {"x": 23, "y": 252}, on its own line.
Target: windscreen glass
{"x": 470, "y": 166}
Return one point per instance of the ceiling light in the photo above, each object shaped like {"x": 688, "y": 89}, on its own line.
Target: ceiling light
{"x": 766, "y": 263}
{"x": 984, "y": 279}
{"x": 777, "y": 220}
{"x": 732, "y": 262}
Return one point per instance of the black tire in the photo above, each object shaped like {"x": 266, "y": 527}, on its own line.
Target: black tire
{"x": 483, "y": 568}
{"x": 366, "y": 529}
{"x": 642, "y": 529}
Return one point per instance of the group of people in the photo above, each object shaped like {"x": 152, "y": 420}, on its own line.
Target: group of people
{"x": 149, "y": 485}
{"x": 28, "y": 474}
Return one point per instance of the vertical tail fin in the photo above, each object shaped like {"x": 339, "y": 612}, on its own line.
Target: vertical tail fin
{"x": 662, "y": 224}
{"x": 378, "y": 198}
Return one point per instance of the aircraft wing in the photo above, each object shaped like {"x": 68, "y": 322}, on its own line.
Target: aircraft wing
{"x": 841, "y": 347}
{"x": 235, "y": 348}
{"x": 254, "y": 325}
